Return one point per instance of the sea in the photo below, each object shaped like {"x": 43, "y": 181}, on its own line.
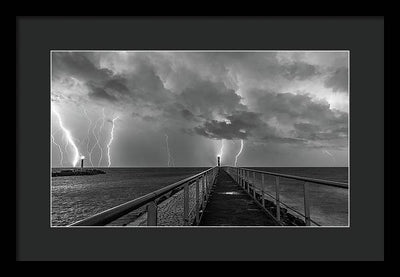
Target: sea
{"x": 77, "y": 197}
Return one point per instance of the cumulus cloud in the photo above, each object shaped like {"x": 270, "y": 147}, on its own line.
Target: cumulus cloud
{"x": 79, "y": 65}
{"x": 338, "y": 80}
{"x": 238, "y": 125}
{"x": 212, "y": 95}
{"x": 299, "y": 70}
{"x": 208, "y": 99}
{"x": 289, "y": 107}
{"x": 97, "y": 92}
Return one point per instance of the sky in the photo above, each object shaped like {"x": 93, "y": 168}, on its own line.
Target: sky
{"x": 185, "y": 108}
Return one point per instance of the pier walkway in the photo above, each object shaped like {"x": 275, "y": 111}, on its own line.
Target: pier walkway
{"x": 219, "y": 196}
{"x": 230, "y": 205}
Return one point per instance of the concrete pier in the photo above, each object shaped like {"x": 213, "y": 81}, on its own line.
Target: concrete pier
{"x": 230, "y": 205}
{"x": 218, "y": 196}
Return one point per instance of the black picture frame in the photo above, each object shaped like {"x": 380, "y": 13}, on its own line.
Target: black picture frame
{"x": 363, "y": 36}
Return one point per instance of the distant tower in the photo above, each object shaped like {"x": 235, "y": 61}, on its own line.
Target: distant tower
{"x": 219, "y": 161}
{"x": 82, "y": 158}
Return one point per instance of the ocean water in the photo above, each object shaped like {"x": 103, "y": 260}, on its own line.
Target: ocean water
{"x": 76, "y": 197}
{"x": 328, "y": 205}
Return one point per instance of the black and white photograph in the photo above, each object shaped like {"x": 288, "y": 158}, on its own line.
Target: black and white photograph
{"x": 199, "y": 138}
{"x": 203, "y": 138}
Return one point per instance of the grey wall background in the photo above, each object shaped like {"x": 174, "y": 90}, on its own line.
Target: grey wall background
{"x": 362, "y": 36}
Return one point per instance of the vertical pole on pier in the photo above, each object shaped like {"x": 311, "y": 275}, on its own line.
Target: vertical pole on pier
{"x": 243, "y": 181}
{"x": 203, "y": 185}
{"x": 236, "y": 174}
{"x": 254, "y": 185}
{"x": 306, "y": 204}
{"x": 152, "y": 214}
{"x": 248, "y": 181}
{"x": 208, "y": 180}
{"x": 278, "y": 204}
{"x": 186, "y": 204}
{"x": 197, "y": 200}
{"x": 262, "y": 190}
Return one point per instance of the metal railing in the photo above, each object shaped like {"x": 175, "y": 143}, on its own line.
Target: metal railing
{"x": 242, "y": 177}
{"x": 204, "y": 179}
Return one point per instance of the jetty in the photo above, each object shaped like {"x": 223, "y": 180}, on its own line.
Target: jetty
{"x": 77, "y": 172}
{"x": 220, "y": 196}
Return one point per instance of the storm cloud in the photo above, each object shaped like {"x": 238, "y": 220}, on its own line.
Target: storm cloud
{"x": 269, "y": 99}
{"x": 239, "y": 125}
{"x": 338, "y": 80}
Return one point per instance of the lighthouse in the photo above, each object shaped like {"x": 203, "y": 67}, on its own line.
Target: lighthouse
{"x": 82, "y": 158}
{"x": 219, "y": 161}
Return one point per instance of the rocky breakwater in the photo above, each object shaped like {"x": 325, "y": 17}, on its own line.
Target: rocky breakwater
{"x": 77, "y": 172}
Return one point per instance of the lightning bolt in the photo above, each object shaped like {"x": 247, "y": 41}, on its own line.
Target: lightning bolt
{"x": 70, "y": 140}
{"x": 170, "y": 160}
{"x": 98, "y": 135}
{"x": 88, "y": 136}
{"x": 59, "y": 148}
{"x": 240, "y": 151}
{"x": 96, "y": 138}
{"x": 329, "y": 154}
{"x": 221, "y": 151}
{"x": 111, "y": 139}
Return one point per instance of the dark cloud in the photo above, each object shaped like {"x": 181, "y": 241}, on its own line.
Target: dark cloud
{"x": 338, "y": 80}
{"x": 79, "y": 65}
{"x": 99, "y": 93}
{"x": 117, "y": 84}
{"x": 213, "y": 95}
{"x": 315, "y": 132}
{"x": 188, "y": 115}
{"x": 239, "y": 125}
{"x": 289, "y": 140}
{"x": 307, "y": 118}
{"x": 289, "y": 107}
{"x": 208, "y": 98}
{"x": 299, "y": 70}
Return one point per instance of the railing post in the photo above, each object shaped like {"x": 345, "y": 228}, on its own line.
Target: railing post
{"x": 186, "y": 204}
{"x": 262, "y": 190}
{"x": 254, "y": 185}
{"x": 240, "y": 177}
{"x": 306, "y": 204}
{"x": 237, "y": 175}
{"x": 278, "y": 204}
{"x": 197, "y": 200}
{"x": 203, "y": 184}
{"x": 243, "y": 179}
{"x": 152, "y": 214}
{"x": 210, "y": 181}
{"x": 248, "y": 181}
{"x": 206, "y": 182}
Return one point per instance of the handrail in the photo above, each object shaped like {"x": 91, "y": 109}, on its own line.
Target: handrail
{"x": 245, "y": 181}
{"x": 284, "y": 204}
{"x": 305, "y": 179}
{"x": 116, "y": 212}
